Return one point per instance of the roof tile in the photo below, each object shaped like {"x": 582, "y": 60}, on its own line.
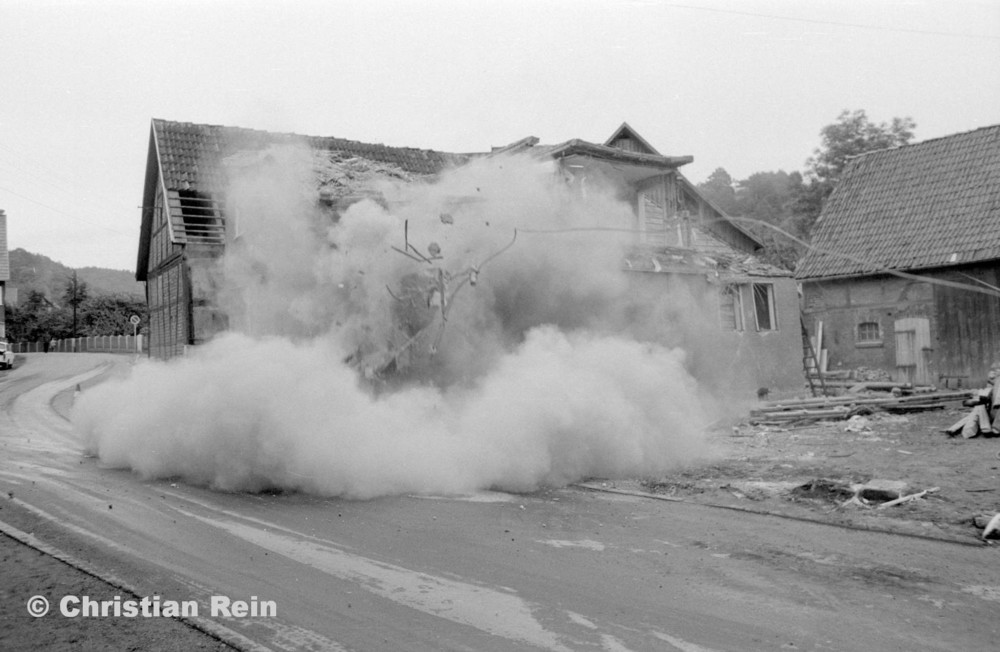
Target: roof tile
{"x": 919, "y": 206}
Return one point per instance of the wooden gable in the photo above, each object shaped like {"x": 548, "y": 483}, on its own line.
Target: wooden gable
{"x": 628, "y": 139}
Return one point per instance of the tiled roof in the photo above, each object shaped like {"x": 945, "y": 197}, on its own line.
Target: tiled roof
{"x": 921, "y": 206}
{"x": 191, "y": 154}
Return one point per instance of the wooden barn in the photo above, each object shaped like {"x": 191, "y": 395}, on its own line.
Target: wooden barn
{"x": 184, "y": 225}
{"x": 905, "y": 269}
{"x": 748, "y": 321}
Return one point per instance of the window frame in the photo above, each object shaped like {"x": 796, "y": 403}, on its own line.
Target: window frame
{"x": 733, "y": 294}
{"x": 772, "y": 313}
{"x": 862, "y": 342}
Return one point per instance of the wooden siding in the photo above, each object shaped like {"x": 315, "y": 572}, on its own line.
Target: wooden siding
{"x": 968, "y": 326}
{"x": 161, "y": 247}
{"x": 660, "y": 225}
{"x": 629, "y": 145}
{"x": 653, "y": 213}
{"x": 169, "y": 311}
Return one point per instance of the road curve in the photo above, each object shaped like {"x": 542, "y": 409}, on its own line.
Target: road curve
{"x": 556, "y": 570}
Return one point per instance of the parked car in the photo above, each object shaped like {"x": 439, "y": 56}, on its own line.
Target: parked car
{"x": 6, "y": 356}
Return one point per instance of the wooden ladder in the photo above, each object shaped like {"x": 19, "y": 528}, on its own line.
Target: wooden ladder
{"x": 810, "y": 361}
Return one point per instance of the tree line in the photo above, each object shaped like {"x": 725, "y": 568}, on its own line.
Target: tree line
{"x": 793, "y": 201}
{"x": 80, "y": 314}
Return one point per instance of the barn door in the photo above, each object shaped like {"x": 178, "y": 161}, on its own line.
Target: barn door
{"x": 913, "y": 345}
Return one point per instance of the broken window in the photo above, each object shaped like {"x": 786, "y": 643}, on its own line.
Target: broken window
{"x": 869, "y": 332}
{"x": 763, "y": 304}
{"x": 201, "y": 217}
{"x": 731, "y": 307}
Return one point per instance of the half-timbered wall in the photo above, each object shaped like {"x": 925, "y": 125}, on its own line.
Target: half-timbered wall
{"x": 165, "y": 288}
{"x": 915, "y": 331}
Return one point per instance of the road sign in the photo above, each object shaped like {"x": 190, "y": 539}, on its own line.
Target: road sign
{"x": 135, "y": 320}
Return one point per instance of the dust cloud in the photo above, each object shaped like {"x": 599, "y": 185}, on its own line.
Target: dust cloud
{"x": 473, "y": 333}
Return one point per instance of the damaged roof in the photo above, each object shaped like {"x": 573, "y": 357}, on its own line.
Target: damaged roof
{"x": 191, "y": 155}
{"x": 928, "y": 205}
{"x": 726, "y": 266}
{"x": 188, "y": 159}
{"x": 608, "y": 152}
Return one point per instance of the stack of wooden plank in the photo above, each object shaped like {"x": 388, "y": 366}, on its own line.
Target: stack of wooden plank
{"x": 843, "y": 407}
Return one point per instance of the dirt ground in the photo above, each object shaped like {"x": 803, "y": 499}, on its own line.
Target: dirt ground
{"x": 28, "y": 572}
{"x": 809, "y": 471}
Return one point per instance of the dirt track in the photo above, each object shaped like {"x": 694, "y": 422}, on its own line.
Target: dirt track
{"x": 758, "y": 472}
{"x": 763, "y": 465}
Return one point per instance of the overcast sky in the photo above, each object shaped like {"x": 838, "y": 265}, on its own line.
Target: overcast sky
{"x": 744, "y": 85}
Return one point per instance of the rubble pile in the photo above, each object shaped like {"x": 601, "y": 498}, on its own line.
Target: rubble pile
{"x": 342, "y": 175}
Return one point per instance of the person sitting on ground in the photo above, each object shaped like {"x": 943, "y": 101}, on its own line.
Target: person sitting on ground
{"x": 985, "y": 407}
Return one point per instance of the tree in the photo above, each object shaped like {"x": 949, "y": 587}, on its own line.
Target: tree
{"x": 108, "y": 314}
{"x": 720, "y": 189}
{"x": 852, "y": 135}
{"x": 37, "y": 320}
{"x": 793, "y": 201}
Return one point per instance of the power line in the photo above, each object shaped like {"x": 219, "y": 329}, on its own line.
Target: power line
{"x": 816, "y": 21}
{"x": 875, "y": 268}
{"x": 62, "y": 212}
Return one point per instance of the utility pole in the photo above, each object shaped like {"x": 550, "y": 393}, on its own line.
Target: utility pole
{"x": 76, "y": 289}
{"x": 75, "y": 294}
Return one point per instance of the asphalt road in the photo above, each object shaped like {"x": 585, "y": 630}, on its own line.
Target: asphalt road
{"x": 564, "y": 569}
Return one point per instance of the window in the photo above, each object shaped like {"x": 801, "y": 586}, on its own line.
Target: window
{"x": 763, "y": 305}
{"x": 731, "y": 308}
{"x": 869, "y": 332}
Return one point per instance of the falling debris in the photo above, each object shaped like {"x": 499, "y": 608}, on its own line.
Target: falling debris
{"x": 379, "y": 348}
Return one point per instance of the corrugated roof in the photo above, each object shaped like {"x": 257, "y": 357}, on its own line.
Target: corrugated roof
{"x": 932, "y": 204}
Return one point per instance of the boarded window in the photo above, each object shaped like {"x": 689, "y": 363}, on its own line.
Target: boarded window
{"x": 763, "y": 304}
{"x": 869, "y": 331}
{"x": 731, "y": 308}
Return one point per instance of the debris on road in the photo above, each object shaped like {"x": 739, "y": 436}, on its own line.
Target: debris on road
{"x": 992, "y": 528}
{"x": 906, "y": 499}
{"x": 857, "y": 423}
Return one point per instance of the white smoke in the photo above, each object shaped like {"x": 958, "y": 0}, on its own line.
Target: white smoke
{"x": 525, "y": 379}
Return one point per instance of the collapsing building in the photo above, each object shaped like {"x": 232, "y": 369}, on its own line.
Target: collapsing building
{"x": 748, "y": 322}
